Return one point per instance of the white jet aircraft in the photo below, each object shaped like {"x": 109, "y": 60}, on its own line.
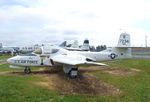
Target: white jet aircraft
{"x": 71, "y": 60}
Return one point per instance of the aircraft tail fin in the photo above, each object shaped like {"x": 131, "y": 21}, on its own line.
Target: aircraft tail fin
{"x": 124, "y": 40}
{"x": 75, "y": 44}
{"x": 85, "y": 45}
{"x": 63, "y": 44}
{"x": 123, "y": 49}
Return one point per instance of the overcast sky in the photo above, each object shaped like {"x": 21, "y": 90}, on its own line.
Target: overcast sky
{"x": 24, "y": 22}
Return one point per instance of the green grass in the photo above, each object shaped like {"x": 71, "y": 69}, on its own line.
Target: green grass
{"x": 4, "y": 67}
{"x": 4, "y": 56}
{"x": 20, "y": 89}
{"x": 134, "y": 88}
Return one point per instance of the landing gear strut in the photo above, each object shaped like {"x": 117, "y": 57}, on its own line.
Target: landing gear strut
{"x": 71, "y": 71}
{"x": 27, "y": 70}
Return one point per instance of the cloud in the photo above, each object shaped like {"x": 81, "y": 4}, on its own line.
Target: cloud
{"x": 98, "y": 20}
{"x": 9, "y": 3}
{"x": 71, "y": 32}
{"x": 143, "y": 24}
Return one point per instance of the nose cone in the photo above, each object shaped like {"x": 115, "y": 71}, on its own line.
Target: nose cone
{"x": 38, "y": 51}
{"x": 9, "y": 60}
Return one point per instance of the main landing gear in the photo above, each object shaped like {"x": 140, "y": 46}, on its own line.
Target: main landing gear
{"x": 71, "y": 71}
{"x": 27, "y": 70}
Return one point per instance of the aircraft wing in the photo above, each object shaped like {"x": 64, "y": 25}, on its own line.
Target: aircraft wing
{"x": 74, "y": 59}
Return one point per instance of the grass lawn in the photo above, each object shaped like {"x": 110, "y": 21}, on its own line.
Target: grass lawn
{"x": 134, "y": 88}
{"x": 4, "y": 56}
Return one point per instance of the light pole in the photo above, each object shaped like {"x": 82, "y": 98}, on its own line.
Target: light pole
{"x": 145, "y": 40}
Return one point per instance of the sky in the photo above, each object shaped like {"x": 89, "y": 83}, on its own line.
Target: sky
{"x": 25, "y": 22}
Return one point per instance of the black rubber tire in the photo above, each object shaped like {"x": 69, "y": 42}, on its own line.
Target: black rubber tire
{"x": 27, "y": 70}
{"x": 70, "y": 76}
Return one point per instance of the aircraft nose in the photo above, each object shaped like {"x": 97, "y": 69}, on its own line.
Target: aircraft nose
{"x": 9, "y": 60}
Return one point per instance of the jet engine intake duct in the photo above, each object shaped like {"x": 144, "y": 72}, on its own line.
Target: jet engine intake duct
{"x": 88, "y": 59}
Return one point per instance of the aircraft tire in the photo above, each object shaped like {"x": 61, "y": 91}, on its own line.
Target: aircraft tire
{"x": 27, "y": 70}
{"x": 71, "y": 73}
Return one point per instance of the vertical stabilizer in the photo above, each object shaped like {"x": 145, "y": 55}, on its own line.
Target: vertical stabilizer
{"x": 63, "y": 44}
{"x": 123, "y": 49}
{"x": 85, "y": 45}
{"x": 75, "y": 44}
{"x": 124, "y": 40}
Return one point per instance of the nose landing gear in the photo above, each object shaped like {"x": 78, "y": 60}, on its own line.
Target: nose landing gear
{"x": 27, "y": 70}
